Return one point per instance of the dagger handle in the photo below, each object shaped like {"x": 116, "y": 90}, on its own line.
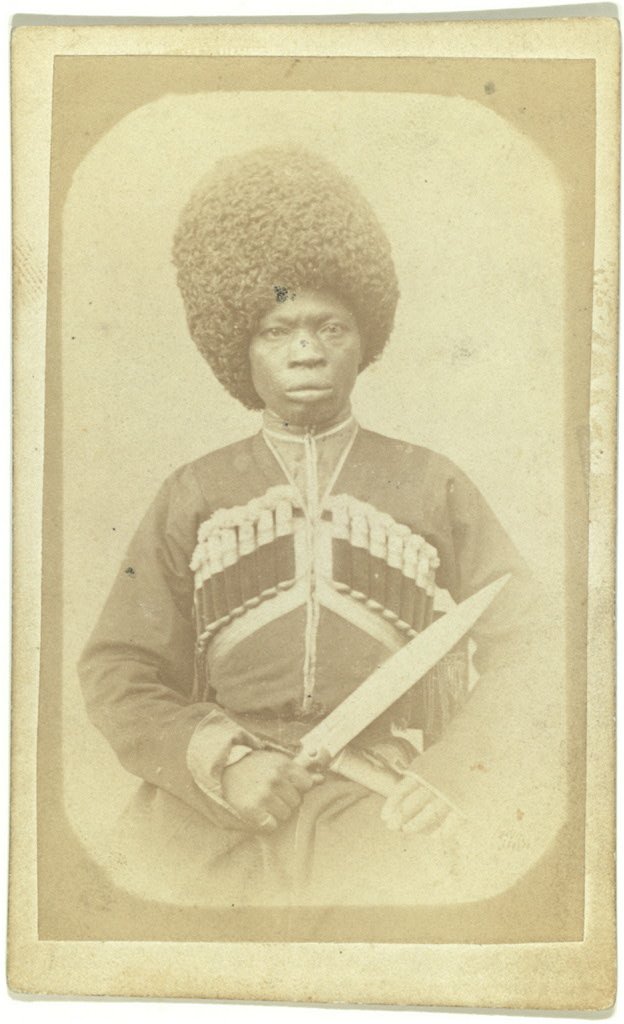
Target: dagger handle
{"x": 358, "y": 769}
{"x": 351, "y": 766}
{"x": 316, "y": 760}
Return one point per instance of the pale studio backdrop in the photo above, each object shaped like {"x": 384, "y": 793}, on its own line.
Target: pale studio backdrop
{"x": 474, "y": 369}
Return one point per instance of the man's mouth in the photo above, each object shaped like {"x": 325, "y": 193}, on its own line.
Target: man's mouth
{"x": 308, "y": 392}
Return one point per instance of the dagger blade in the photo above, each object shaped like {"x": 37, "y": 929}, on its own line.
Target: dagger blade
{"x": 395, "y": 677}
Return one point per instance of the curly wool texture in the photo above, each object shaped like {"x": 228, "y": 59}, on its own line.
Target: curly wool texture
{"x": 277, "y": 219}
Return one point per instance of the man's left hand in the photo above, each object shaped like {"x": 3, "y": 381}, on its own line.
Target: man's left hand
{"x": 411, "y": 807}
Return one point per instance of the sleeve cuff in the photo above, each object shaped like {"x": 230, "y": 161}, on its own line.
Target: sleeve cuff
{"x": 237, "y": 753}
{"x": 216, "y": 743}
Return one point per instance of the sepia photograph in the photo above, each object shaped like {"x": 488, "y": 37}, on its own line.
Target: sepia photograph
{"x": 321, "y": 353}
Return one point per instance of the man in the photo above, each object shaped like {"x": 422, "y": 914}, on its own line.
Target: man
{"x": 270, "y": 578}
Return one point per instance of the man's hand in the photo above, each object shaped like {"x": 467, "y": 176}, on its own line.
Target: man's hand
{"x": 266, "y": 786}
{"x": 411, "y": 807}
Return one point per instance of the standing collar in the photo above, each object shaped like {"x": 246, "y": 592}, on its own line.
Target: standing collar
{"x": 275, "y": 427}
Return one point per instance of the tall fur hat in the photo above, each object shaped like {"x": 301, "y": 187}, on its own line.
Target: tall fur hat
{"x": 270, "y": 220}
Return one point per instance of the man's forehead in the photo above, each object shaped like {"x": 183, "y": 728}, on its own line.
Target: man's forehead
{"x": 306, "y": 303}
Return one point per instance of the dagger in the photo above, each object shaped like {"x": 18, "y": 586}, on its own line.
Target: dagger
{"x": 324, "y": 744}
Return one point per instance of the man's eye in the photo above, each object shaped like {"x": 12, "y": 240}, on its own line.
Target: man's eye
{"x": 274, "y": 332}
{"x": 333, "y": 329}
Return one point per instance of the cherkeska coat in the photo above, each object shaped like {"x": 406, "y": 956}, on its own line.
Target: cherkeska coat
{"x": 180, "y": 687}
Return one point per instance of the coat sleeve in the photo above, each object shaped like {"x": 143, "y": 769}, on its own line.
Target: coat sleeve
{"x": 137, "y": 669}
{"x": 502, "y": 757}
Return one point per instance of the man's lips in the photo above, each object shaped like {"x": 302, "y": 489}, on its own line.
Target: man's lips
{"x": 311, "y": 386}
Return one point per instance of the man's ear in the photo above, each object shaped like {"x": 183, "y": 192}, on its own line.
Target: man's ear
{"x": 362, "y": 356}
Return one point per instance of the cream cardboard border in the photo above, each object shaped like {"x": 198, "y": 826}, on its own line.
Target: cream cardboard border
{"x": 578, "y": 975}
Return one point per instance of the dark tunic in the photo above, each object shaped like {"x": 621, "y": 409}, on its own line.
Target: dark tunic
{"x": 143, "y": 691}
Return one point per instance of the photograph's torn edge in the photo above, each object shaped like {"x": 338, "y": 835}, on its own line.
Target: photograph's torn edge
{"x": 581, "y": 975}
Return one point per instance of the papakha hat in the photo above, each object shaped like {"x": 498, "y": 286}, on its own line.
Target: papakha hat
{"x": 267, "y": 223}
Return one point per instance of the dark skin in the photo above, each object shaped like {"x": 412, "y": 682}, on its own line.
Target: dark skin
{"x": 305, "y": 356}
{"x": 266, "y": 787}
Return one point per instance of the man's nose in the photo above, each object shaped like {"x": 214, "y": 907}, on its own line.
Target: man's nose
{"x": 306, "y": 349}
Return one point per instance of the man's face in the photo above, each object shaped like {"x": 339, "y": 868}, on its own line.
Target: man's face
{"x": 305, "y": 356}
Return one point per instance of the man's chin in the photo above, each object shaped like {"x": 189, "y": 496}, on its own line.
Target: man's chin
{"x": 310, "y": 407}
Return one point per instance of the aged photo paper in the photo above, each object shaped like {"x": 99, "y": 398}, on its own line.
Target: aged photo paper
{"x": 315, "y": 370}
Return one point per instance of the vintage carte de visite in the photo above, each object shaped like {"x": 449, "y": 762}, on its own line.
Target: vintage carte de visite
{"x": 315, "y": 361}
